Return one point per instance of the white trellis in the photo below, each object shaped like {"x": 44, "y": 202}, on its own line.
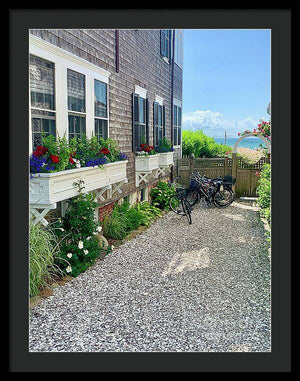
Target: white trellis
{"x": 257, "y": 135}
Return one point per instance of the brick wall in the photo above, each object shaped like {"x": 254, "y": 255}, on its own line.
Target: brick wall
{"x": 105, "y": 211}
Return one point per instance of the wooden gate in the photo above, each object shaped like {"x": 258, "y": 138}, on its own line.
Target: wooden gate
{"x": 245, "y": 173}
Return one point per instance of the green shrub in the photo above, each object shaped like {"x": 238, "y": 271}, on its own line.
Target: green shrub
{"x": 116, "y": 225}
{"x": 148, "y": 211}
{"x": 264, "y": 192}
{"x": 77, "y": 229}
{"x": 197, "y": 143}
{"x": 126, "y": 218}
{"x": 160, "y": 195}
{"x": 43, "y": 245}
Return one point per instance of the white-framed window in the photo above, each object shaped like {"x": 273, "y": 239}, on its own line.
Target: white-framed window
{"x": 42, "y": 98}
{"x": 101, "y": 109}
{"x": 140, "y": 114}
{"x": 165, "y": 44}
{"x": 158, "y": 121}
{"x": 177, "y": 113}
{"x": 178, "y": 47}
{"x": 78, "y": 105}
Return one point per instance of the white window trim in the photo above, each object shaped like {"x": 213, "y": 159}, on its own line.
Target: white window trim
{"x": 159, "y": 100}
{"x": 140, "y": 91}
{"x": 177, "y": 102}
{"x": 63, "y": 61}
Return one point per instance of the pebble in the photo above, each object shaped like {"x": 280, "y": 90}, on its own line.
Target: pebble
{"x": 175, "y": 287}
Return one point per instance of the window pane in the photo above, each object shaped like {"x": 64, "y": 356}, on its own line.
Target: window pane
{"x": 101, "y": 128}
{"x": 100, "y": 99}
{"x": 42, "y": 124}
{"x": 160, "y": 134}
{"x": 76, "y": 91}
{"x": 76, "y": 126}
{"x": 175, "y": 116}
{"x": 142, "y": 133}
{"x": 179, "y": 116}
{"x": 160, "y": 115}
{"x": 142, "y": 110}
{"x": 175, "y": 141}
{"x": 42, "y": 85}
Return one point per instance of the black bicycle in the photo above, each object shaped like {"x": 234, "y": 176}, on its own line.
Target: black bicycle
{"x": 179, "y": 204}
{"x": 214, "y": 191}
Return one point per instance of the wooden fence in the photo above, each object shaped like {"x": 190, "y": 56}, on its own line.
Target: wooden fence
{"x": 245, "y": 173}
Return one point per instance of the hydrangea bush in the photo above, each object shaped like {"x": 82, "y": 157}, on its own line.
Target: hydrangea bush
{"x": 77, "y": 231}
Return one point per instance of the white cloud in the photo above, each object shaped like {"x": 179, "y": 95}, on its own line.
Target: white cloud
{"x": 214, "y": 124}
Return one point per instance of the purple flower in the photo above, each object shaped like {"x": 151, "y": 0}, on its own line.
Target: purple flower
{"x": 98, "y": 161}
{"x": 123, "y": 156}
{"x": 39, "y": 165}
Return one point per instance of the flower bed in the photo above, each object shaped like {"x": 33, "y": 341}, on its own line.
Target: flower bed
{"x": 57, "y": 165}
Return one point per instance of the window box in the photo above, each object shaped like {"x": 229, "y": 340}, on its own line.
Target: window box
{"x": 146, "y": 163}
{"x": 165, "y": 159}
{"x": 50, "y": 188}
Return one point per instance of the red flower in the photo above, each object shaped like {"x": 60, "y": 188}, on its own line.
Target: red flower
{"x": 37, "y": 153}
{"x": 55, "y": 159}
{"x": 71, "y": 160}
{"x": 105, "y": 151}
{"x": 40, "y": 150}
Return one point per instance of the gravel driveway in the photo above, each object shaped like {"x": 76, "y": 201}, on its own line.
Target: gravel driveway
{"x": 176, "y": 287}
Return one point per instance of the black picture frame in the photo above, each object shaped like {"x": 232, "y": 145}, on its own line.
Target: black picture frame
{"x": 279, "y": 21}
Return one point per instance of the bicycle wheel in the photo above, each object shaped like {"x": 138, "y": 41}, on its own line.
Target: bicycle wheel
{"x": 223, "y": 198}
{"x": 193, "y": 197}
{"x": 175, "y": 204}
{"x": 187, "y": 210}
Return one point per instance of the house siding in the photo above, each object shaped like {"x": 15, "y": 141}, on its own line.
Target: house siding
{"x": 140, "y": 63}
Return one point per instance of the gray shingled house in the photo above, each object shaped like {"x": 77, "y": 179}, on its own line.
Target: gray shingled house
{"x": 123, "y": 84}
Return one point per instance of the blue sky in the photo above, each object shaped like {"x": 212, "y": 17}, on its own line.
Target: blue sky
{"x": 226, "y": 79}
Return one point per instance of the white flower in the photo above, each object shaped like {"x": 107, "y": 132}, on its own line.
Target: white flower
{"x": 69, "y": 255}
{"x": 68, "y": 269}
{"x": 88, "y": 238}
{"x": 99, "y": 228}
{"x": 85, "y": 252}
{"x": 80, "y": 244}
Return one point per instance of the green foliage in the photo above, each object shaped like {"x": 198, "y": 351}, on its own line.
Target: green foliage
{"x": 164, "y": 145}
{"x": 160, "y": 195}
{"x": 126, "y": 218}
{"x": 112, "y": 147}
{"x": 197, "y": 143}
{"x": 116, "y": 225}
{"x": 59, "y": 147}
{"x": 264, "y": 192}
{"x": 43, "y": 244}
{"x": 148, "y": 211}
{"x": 80, "y": 247}
{"x": 264, "y": 187}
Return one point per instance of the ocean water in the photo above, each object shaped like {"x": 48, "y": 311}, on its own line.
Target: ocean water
{"x": 250, "y": 142}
